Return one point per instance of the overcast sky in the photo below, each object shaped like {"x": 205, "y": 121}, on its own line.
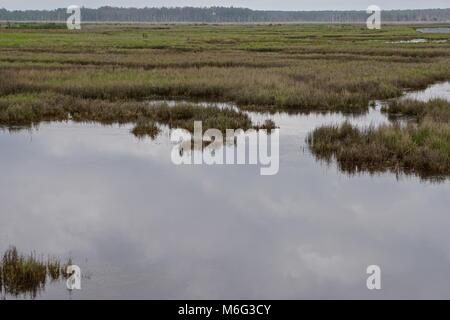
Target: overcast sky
{"x": 253, "y": 4}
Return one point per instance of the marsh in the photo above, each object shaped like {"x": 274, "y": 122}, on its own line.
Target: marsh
{"x": 86, "y": 168}
{"x": 145, "y": 228}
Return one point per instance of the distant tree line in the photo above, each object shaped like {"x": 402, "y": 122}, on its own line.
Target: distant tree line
{"x": 221, "y": 14}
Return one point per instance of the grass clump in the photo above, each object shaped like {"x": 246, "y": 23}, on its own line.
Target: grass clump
{"x": 266, "y": 125}
{"x": 183, "y": 116}
{"x": 436, "y": 109}
{"x": 423, "y": 149}
{"x": 27, "y": 275}
{"x": 145, "y": 128}
{"x": 22, "y": 274}
{"x": 54, "y": 269}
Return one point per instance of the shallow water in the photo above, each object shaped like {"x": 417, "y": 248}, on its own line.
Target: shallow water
{"x": 439, "y": 90}
{"x": 410, "y": 41}
{"x": 141, "y": 227}
{"x": 419, "y": 41}
{"x": 434, "y": 30}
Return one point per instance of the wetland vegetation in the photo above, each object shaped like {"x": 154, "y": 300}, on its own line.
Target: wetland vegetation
{"x": 306, "y": 79}
{"x": 109, "y": 73}
{"x": 420, "y": 147}
{"x": 27, "y": 275}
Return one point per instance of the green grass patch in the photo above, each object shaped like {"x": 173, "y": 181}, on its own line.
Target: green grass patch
{"x": 27, "y": 275}
{"x": 423, "y": 149}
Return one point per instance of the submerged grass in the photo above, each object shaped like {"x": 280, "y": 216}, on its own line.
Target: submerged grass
{"x": 27, "y": 275}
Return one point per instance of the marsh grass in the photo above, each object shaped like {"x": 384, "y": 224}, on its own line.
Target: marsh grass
{"x": 437, "y": 110}
{"x": 421, "y": 149}
{"x": 346, "y": 86}
{"x": 33, "y": 26}
{"x": 145, "y": 128}
{"x": 266, "y": 125}
{"x": 22, "y": 275}
{"x": 307, "y": 68}
{"x": 27, "y": 110}
{"x": 27, "y": 275}
{"x": 54, "y": 268}
{"x": 103, "y": 72}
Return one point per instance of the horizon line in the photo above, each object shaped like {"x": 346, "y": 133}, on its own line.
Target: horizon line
{"x": 222, "y": 7}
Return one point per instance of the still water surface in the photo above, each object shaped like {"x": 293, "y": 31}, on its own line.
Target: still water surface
{"x": 434, "y": 30}
{"x": 141, "y": 227}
